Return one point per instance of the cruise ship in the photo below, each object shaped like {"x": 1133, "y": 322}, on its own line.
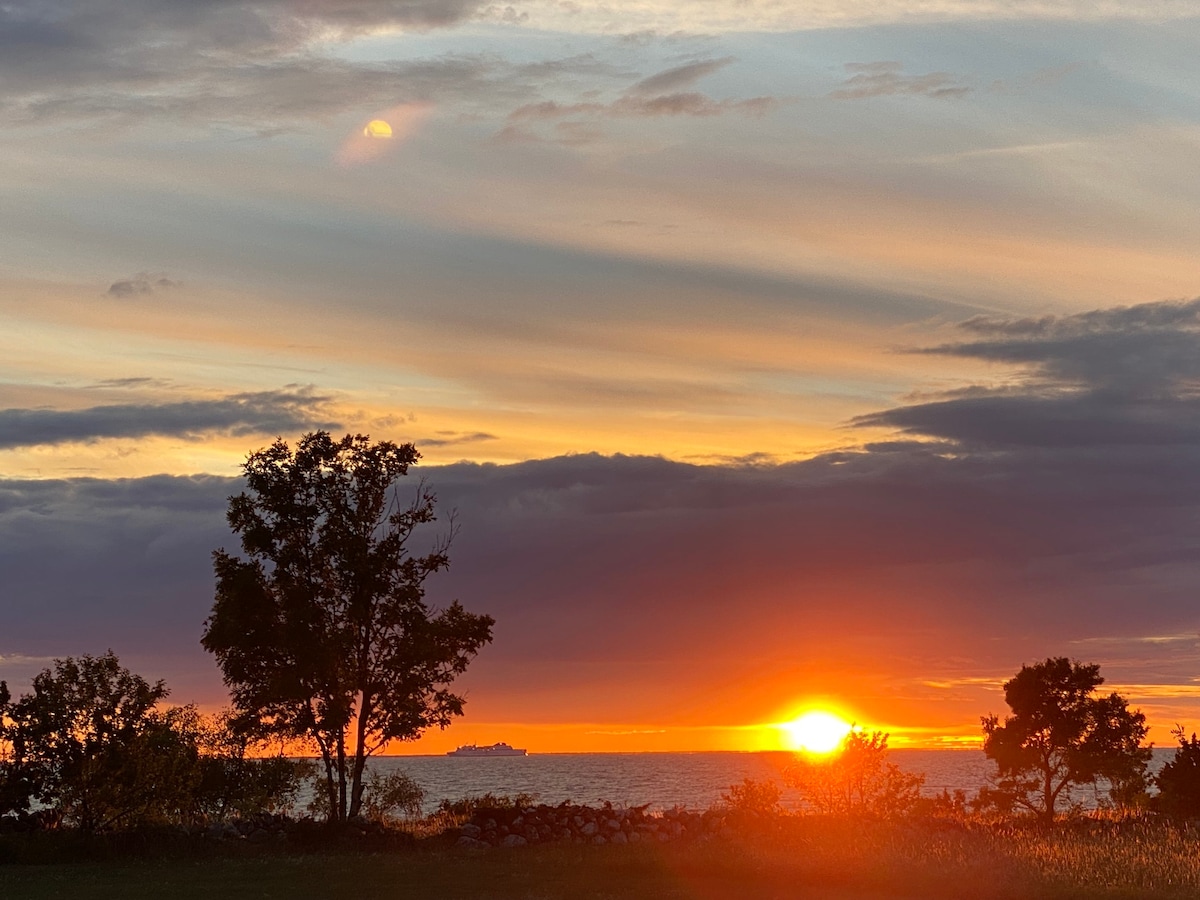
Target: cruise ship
{"x": 500, "y": 749}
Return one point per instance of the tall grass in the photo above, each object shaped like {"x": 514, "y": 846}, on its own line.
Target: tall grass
{"x": 754, "y": 855}
{"x": 982, "y": 859}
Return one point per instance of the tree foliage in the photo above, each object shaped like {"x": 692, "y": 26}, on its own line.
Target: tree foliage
{"x": 1178, "y": 781}
{"x": 753, "y": 798}
{"x": 1061, "y": 734}
{"x": 94, "y": 747}
{"x": 856, "y": 779}
{"x": 232, "y": 783}
{"x": 321, "y": 630}
{"x": 91, "y": 744}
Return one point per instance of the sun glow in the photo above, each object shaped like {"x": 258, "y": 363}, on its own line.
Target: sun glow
{"x": 816, "y": 732}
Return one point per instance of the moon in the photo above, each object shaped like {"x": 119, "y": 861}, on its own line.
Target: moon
{"x": 377, "y": 128}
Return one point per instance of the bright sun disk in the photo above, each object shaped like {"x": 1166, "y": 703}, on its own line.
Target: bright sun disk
{"x": 816, "y": 732}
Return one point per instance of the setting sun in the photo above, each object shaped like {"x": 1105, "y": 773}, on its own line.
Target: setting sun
{"x": 816, "y": 732}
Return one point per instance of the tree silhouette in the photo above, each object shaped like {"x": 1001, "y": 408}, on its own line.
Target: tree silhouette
{"x": 91, "y": 744}
{"x": 322, "y": 631}
{"x": 855, "y": 779}
{"x": 1060, "y": 735}
{"x": 1179, "y": 779}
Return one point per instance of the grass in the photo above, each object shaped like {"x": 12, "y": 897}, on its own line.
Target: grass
{"x": 805, "y": 857}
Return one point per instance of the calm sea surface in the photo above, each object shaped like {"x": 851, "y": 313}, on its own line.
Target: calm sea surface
{"x": 694, "y": 780}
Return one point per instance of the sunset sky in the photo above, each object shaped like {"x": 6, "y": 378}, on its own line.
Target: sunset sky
{"x": 773, "y": 354}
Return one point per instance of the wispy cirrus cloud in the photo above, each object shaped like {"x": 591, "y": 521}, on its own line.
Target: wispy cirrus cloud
{"x": 675, "y": 79}
{"x": 668, "y": 17}
{"x": 265, "y": 60}
{"x": 884, "y": 79}
{"x": 663, "y": 94}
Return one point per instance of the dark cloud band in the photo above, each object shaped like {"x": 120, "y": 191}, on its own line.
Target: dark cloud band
{"x": 268, "y": 412}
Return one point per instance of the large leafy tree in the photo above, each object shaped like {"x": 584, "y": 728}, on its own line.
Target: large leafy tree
{"x": 1062, "y": 734}
{"x": 321, "y": 629}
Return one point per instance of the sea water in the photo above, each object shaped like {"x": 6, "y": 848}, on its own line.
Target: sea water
{"x": 664, "y": 780}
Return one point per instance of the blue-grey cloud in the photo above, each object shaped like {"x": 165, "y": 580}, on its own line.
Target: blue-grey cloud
{"x": 285, "y": 411}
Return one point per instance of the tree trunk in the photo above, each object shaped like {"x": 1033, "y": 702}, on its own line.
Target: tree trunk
{"x": 1048, "y": 798}
{"x": 360, "y": 757}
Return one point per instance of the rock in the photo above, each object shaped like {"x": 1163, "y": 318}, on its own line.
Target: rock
{"x": 259, "y": 836}
{"x": 589, "y": 829}
{"x": 618, "y": 838}
{"x": 471, "y": 830}
{"x": 470, "y": 843}
{"x": 599, "y": 839}
{"x": 612, "y": 825}
{"x": 513, "y": 840}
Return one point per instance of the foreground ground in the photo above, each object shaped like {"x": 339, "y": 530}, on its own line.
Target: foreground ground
{"x": 818, "y": 860}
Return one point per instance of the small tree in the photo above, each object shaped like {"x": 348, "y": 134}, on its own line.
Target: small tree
{"x": 322, "y": 631}
{"x": 1179, "y": 779}
{"x": 1061, "y": 735}
{"x": 856, "y": 779}
{"x": 91, "y": 743}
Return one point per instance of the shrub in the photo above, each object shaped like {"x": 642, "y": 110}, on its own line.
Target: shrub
{"x": 856, "y": 779}
{"x": 387, "y": 795}
{"x": 1179, "y": 781}
{"x": 758, "y": 798}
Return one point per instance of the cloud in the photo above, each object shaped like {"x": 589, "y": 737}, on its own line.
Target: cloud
{"x": 1126, "y": 377}
{"x": 670, "y": 581}
{"x": 141, "y": 284}
{"x": 262, "y": 62}
{"x": 660, "y": 95}
{"x": 642, "y": 20}
{"x": 285, "y": 411}
{"x": 606, "y": 568}
{"x": 674, "y": 80}
{"x": 632, "y": 106}
{"x": 883, "y": 79}
{"x": 454, "y": 438}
